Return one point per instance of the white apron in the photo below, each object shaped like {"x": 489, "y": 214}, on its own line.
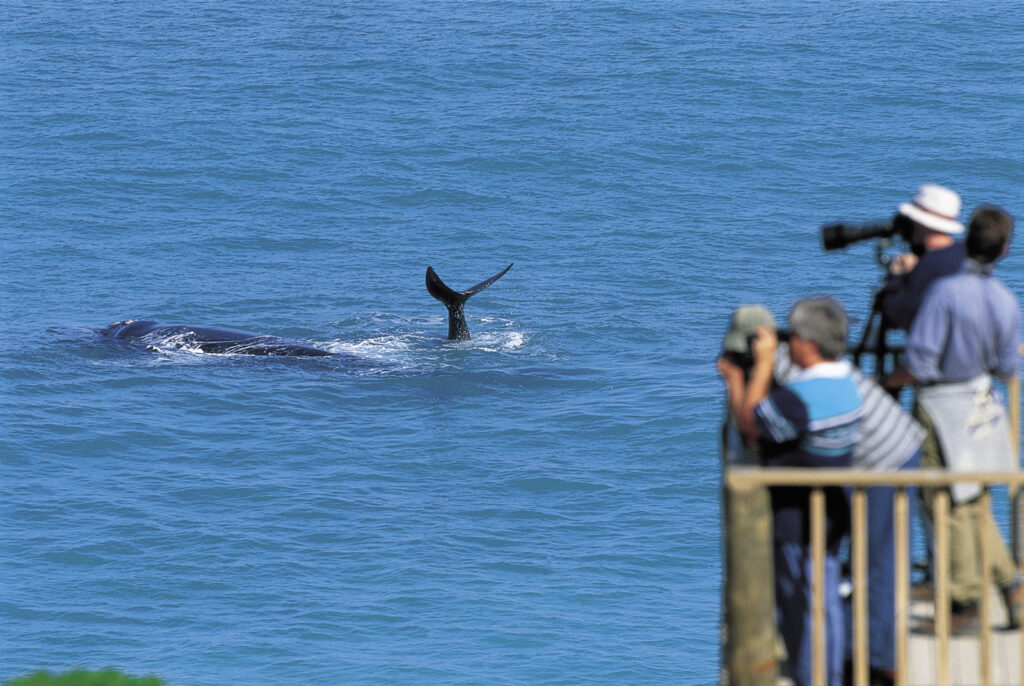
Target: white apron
{"x": 972, "y": 429}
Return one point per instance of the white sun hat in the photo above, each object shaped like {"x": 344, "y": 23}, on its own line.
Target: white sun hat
{"x": 936, "y": 208}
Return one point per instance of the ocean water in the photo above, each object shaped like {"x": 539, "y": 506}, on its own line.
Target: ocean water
{"x": 539, "y": 505}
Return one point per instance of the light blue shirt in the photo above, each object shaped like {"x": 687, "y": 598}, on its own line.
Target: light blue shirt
{"x": 968, "y": 325}
{"x": 819, "y": 410}
{"x": 889, "y": 437}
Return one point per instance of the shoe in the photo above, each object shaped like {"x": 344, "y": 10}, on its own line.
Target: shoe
{"x": 964, "y": 621}
{"x": 1012, "y": 598}
{"x": 876, "y": 675}
{"x": 882, "y": 677}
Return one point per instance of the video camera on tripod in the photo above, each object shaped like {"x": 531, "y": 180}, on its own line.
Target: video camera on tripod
{"x": 874, "y": 340}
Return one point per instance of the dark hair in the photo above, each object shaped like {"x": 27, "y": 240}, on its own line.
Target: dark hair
{"x": 988, "y": 234}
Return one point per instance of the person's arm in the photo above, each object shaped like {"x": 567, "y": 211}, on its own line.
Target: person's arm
{"x": 735, "y": 386}
{"x": 781, "y": 418}
{"x": 1009, "y": 344}
{"x": 898, "y": 378}
{"x": 763, "y": 347}
{"x": 785, "y": 370}
{"x": 899, "y": 299}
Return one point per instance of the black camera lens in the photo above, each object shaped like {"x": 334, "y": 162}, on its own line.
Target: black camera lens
{"x": 781, "y": 334}
{"x": 836, "y": 236}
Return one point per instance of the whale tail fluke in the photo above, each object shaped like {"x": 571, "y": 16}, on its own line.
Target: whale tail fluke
{"x": 455, "y": 301}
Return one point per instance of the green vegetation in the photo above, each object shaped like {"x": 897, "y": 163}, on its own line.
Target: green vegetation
{"x": 83, "y": 678}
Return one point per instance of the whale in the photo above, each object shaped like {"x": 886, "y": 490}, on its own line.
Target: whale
{"x": 220, "y": 340}
{"x": 455, "y": 301}
{"x": 208, "y": 339}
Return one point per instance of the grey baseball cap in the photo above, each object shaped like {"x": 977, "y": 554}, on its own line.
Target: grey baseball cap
{"x": 745, "y": 319}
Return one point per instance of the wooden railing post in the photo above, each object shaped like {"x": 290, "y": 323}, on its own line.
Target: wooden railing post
{"x": 1017, "y": 493}
{"x": 859, "y": 555}
{"x": 1016, "y": 533}
{"x": 750, "y": 657}
{"x": 819, "y": 636}
{"x": 1017, "y": 504}
{"x": 985, "y": 603}
{"x": 902, "y": 564}
{"x": 942, "y": 598}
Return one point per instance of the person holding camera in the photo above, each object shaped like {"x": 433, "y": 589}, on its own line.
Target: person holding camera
{"x": 810, "y": 422}
{"x": 966, "y": 331}
{"x": 738, "y": 357}
{"x": 889, "y": 439}
{"x": 934, "y": 252}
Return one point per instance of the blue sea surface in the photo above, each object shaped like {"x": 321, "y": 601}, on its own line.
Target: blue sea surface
{"x": 539, "y": 505}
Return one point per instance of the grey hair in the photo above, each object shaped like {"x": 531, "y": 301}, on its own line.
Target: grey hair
{"x": 823, "y": 321}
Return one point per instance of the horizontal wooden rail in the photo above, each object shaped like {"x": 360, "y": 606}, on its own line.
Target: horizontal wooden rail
{"x": 737, "y": 477}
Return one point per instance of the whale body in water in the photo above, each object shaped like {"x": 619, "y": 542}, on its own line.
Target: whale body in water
{"x": 208, "y": 339}
{"x": 227, "y": 341}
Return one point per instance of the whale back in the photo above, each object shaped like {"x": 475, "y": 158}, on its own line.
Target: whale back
{"x": 208, "y": 339}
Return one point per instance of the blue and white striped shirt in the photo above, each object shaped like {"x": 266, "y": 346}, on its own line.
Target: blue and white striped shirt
{"x": 812, "y": 422}
{"x": 889, "y": 436}
{"x": 819, "y": 410}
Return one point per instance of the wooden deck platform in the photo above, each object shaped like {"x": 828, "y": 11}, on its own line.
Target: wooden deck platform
{"x": 965, "y": 652}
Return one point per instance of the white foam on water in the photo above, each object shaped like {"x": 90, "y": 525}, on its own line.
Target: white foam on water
{"x": 503, "y": 339}
{"x": 498, "y": 341}
{"x": 393, "y": 349}
{"x": 178, "y": 343}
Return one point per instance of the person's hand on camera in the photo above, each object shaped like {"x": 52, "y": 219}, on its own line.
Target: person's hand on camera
{"x": 897, "y": 379}
{"x": 902, "y": 263}
{"x": 764, "y": 345}
{"x": 729, "y": 370}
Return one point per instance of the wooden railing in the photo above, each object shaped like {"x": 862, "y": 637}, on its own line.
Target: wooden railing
{"x": 747, "y": 482}
{"x": 751, "y": 639}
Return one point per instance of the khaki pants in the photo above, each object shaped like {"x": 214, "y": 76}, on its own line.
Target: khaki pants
{"x": 969, "y": 524}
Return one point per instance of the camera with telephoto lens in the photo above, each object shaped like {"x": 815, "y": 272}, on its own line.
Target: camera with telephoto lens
{"x": 746, "y": 360}
{"x": 781, "y": 334}
{"x": 874, "y": 340}
{"x": 839, "y": 235}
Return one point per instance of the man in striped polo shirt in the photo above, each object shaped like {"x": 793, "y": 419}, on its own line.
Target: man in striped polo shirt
{"x": 889, "y": 440}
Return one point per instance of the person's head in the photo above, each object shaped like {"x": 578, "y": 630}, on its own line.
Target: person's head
{"x": 988, "y": 236}
{"x": 933, "y": 211}
{"x": 818, "y": 329}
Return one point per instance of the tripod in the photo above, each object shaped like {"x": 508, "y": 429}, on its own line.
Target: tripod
{"x": 874, "y": 342}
